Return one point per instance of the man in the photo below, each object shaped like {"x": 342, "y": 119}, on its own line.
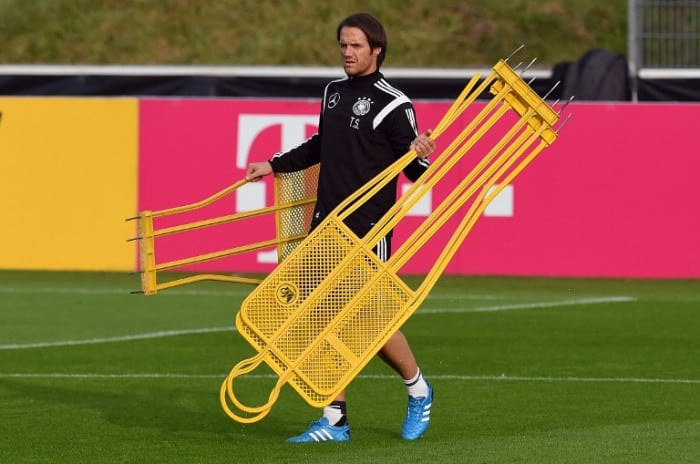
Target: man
{"x": 365, "y": 124}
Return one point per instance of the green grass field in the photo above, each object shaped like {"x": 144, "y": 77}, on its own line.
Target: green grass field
{"x": 433, "y": 33}
{"x": 525, "y": 370}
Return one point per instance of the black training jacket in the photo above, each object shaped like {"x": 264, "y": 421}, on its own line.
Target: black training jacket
{"x": 365, "y": 125}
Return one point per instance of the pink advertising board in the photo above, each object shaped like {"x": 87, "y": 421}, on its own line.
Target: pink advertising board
{"x": 615, "y": 196}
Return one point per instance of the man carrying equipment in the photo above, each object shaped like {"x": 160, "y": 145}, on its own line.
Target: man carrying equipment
{"x": 365, "y": 124}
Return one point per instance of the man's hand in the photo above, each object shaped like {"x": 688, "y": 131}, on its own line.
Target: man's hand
{"x": 257, "y": 171}
{"x": 423, "y": 144}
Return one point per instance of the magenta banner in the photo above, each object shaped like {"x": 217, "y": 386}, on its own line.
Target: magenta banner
{"x": 615, "y": 196}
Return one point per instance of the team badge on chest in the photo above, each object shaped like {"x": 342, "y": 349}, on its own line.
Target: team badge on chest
{"x": 361, "y": 106}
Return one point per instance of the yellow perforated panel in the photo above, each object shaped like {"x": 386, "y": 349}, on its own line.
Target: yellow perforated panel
{"x": 322, "y": 325}
{"x": 290, "y": 188}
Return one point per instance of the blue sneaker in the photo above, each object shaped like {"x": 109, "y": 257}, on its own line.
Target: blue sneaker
{"x": 418, "y": 416}
{"x": 321, "y": 431}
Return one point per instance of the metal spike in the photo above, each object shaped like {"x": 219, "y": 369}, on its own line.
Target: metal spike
{"x": 531, "y": 80}
{"x": 551, "y": 90}
{"x": 515, "y": 68}
{"x": 514, "y": 52}
{"x": 529, "y": 65}
{"x": 561, "y": 126}
{"x": 571, "y": 98}
{"x": 133, "y": 239}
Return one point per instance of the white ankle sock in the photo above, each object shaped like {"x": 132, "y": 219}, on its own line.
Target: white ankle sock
{"x": 335, "y": 413}
{"x": 417, "y": 386}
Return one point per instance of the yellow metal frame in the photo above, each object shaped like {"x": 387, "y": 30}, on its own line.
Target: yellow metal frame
{"x": 295, "y": 195}
{"x": 325, "y": 311}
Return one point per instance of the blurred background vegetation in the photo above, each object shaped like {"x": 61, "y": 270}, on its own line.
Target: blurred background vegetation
{"x": 422, "y": 33}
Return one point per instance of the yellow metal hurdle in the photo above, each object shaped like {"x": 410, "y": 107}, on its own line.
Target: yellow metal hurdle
{"x": 330, "y": 306}
{"x": 295, "y": 195}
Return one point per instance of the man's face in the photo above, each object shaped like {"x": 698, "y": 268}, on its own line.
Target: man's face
{"x": 358, "y": 58}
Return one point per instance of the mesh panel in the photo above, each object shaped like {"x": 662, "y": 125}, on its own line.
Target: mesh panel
{"x": 292, "y": 187}
{"x": 370, "y": 317}
{"x": 339, "y": 303}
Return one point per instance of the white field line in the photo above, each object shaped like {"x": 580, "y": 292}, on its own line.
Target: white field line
{"x": 181, "y": 292}
{"x": 123, "y": 338}
{"x": 116, "y": 291}
{"x": 432, "y": 297}
{"x": 535, "y": 305}
{"x": 173, "y": 333}
{"x": 456, "y": 378}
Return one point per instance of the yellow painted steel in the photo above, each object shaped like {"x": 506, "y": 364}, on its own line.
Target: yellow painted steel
{"x": 330, "y": 306}
{"x": 295, "y": 195}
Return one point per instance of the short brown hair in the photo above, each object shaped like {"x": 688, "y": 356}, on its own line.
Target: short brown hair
{"x": 373, "y": 29}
